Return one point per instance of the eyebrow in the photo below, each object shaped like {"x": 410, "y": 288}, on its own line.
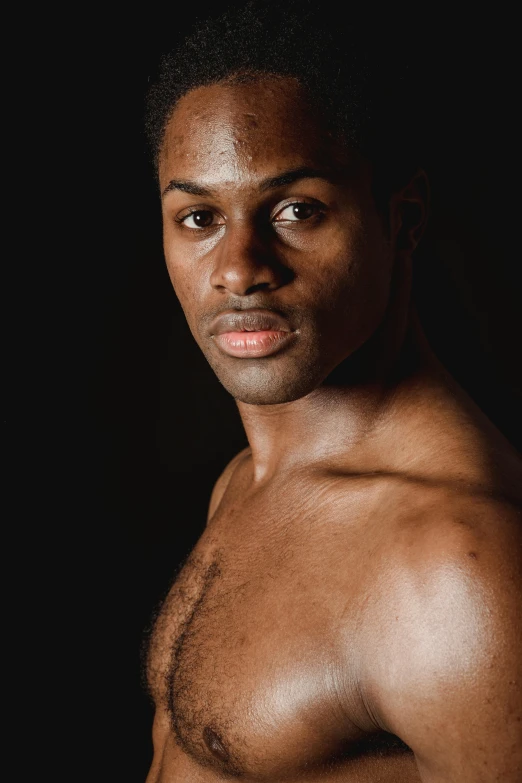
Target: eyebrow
{"x": 280, "y": 180}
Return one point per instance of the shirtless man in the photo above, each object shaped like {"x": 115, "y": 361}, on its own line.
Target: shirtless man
{"x": 352, "y": 609}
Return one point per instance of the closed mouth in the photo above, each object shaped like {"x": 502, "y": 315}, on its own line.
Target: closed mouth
{"x": 251, "y": 334}
{"x": 255, "y": 320}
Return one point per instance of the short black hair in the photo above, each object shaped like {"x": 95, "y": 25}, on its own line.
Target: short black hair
{"x": 365, "y": 81}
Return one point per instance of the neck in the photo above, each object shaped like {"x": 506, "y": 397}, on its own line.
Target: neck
{"x": 343, "y": 417}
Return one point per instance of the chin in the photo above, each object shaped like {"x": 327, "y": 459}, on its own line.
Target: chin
{"x": 265, "y": 383}
{"x": 269, "y": 397}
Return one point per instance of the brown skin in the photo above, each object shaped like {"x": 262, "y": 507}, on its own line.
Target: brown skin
{"x": 359, "y": 578}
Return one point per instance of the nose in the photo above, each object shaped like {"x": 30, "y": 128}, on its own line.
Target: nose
{"x": 244, "y": 263}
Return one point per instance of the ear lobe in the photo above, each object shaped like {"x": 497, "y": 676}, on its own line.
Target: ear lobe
{"x": 411, "y": 206}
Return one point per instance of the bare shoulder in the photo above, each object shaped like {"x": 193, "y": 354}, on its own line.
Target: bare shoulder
{"x": 446, "y": 634}
{"x": 450, "y": 526}
{"x": 223, "y": 482}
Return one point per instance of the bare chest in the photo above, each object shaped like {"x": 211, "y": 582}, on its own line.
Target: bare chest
{"x": 250, "y": 653}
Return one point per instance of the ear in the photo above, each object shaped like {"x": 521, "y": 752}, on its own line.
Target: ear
{"x": 409, "y": 213}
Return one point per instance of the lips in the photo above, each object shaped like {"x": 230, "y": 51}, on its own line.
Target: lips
{"x": 251, "y": 333}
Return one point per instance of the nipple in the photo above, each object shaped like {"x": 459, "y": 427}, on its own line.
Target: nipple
{"x": 215, "y": 745}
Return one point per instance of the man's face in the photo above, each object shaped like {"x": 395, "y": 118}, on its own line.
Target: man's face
{"x": 272, "y": 240}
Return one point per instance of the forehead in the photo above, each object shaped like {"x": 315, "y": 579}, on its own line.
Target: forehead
{"x": 228, "y": 130}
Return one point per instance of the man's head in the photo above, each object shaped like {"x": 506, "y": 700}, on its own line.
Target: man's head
{"x": 365, "y": 80}
{"x": 281, "y": 203}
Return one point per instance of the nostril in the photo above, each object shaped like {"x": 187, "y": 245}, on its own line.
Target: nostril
{"x": 244, "y": 274}
{"x": 258, "y": 287}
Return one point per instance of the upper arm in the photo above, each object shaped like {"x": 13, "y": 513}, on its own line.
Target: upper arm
{"x": 448, "y": 664}
{"x": 222, "y": 483}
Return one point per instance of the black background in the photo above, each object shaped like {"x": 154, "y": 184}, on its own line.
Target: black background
{"x": 128, "y": 426}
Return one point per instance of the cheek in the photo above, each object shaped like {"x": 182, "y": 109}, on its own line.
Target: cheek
{"x": 185, "y": 280}
{"x": 181, "y": 265}
{"x": 353, "y": 264}
{"x": 181, "y": 278}
{"x": 189, "y": 265}
{"x": 354, "y": 289}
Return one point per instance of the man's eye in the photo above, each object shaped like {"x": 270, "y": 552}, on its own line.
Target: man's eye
{"x": 201, "y": 218}
{"x": 295, "y": 212}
